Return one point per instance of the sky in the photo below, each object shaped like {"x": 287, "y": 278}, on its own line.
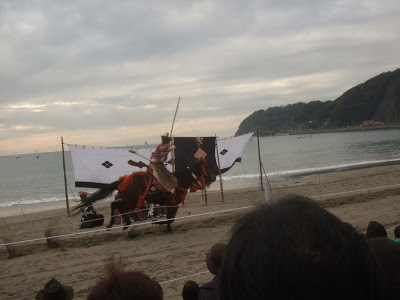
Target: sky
{"x": 110, "y": 73}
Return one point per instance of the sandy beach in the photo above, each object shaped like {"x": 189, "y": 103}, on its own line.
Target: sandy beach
{"x": 355, "y": 196}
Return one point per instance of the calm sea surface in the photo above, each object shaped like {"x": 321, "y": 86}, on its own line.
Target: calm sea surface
{"x": 28, "y": 181}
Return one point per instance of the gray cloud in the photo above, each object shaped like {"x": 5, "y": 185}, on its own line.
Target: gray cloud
{"x": 92, "y": 68}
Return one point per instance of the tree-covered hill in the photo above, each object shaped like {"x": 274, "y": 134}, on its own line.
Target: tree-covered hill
{"x": 377, "y": 99}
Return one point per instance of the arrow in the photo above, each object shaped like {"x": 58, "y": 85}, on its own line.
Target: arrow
{"x": 138, "y": 154}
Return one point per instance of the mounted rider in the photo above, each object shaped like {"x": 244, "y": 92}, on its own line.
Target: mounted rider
{"x": 157, "y": 164}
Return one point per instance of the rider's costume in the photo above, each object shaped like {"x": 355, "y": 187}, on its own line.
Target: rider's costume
{"x": 157, "y": 164}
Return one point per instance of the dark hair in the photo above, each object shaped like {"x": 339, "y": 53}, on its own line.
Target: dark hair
{"x": 190, "y": 290}
{"x": 121, "y": 285}
{"x": 295, "y": 249}
{"x": 166, "y": 139}
{"x": 375, "y": 229}
{"x": 214, "y": 257}
{"x": 397, "y": 231}
{"x": 387, "y": 253}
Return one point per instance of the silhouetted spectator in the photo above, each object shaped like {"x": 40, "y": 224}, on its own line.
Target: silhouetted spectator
{"x": 124, "y": 285}
{"x": 375, "y": 229}
{"x": 397, "y": 234}
{"x": 54, "y": 290}
{"x": 208, "y": 291}
{"x": 387, "y": 254}
{"x": 294, "y": 249}
{"x": 190, "y": 290}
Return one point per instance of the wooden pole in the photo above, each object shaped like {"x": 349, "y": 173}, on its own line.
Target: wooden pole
{"x": 259, "y": 161}
{"x": 204, "y": 196}
{"x": 172, "y": 128}
{"x": 65, "y": 177}
{"x": 268, "y": 189}
{"x": 221, "y": 188}
{"x": 176, "y": 110}
{"x": 173, "y": 157}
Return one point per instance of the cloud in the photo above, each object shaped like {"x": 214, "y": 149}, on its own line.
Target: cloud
{"x": 112, "y": 72}
{"x": 33, "y": 127}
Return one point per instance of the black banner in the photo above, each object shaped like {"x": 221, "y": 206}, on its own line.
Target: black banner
{"x": 188, "y": 147}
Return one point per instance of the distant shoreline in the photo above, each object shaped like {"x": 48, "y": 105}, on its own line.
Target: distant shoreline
{"x": 335, "y": 130}
{"x": 355, "y": 128}
{"x": 348, "y": 168}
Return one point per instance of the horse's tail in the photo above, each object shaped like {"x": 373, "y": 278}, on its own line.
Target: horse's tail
{"x": 102, "y": 193}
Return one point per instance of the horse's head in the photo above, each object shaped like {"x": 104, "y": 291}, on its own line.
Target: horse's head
{"x": 203, "y": 173}
{"x": 199, "y": 174}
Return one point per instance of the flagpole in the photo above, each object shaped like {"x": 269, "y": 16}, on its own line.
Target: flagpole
{"x": 219, "y": 170}
{"x": 172, "y": 128}
{"x": 65, "y": 177}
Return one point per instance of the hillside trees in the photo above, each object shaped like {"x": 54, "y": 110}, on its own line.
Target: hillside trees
{"x": 376, "y": 99}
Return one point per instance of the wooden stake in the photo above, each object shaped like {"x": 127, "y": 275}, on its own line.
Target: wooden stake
{"x": 259, "y": 161}
{"x": 221, "y": 188}
{"x": 65, "y": 177}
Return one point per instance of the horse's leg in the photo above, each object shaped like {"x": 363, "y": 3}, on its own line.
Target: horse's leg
{"x": 171, "y": 213}
{"x": 127, "y": 221}
{"x": 113, "y": 207}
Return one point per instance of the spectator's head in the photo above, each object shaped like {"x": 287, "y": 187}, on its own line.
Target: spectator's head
{"x": 294, "y": 249}
{"x": 375, "y": 229}
{"x": 387, "y": 253}
{"x": 190, "y": 290}
{"x": 165, "y": 138}
{"x": 397, "y": 232}
{"x": 214, "y": 257}
{"x": 121, "y": 285}
{"x": 54, "y": 290}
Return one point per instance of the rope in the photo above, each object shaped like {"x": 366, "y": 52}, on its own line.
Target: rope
{"x": 355, "y": 191}
{"x": 72, "y": 223}
{"x": 177, "y": 218}
{"x": 125, "y": 226}
{"x": 184, "y": 277}
{"x": 142, "y": 197}
{"x": 40, "y": 175}
{"x": 203, "y": 214}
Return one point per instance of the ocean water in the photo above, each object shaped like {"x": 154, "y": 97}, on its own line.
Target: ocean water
{"x": 30, "y": 181}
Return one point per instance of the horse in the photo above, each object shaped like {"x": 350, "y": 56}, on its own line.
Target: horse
{"x": 134, "y": 189}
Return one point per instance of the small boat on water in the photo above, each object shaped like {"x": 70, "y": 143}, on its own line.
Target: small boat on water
{"x": 37, "y": 154}
{"x": 301, "y": 136}
{"x": 16, "y": 155}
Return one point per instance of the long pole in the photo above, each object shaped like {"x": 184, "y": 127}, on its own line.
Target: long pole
{"x": 259, "y": 161}
{"x": 172, "y": 128}
{"x": 176, "y": 110}
{"x": 65, "y": 176}
{"x": 219, "y": 170}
